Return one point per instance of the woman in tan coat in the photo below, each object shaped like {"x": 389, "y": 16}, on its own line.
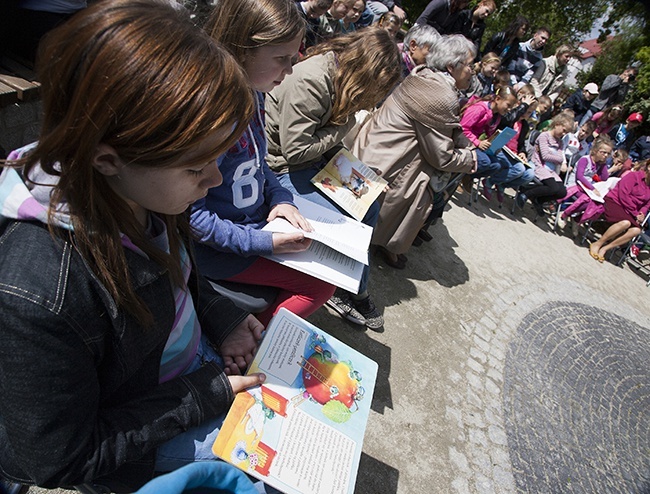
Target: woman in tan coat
{"x": 416, "y": 141}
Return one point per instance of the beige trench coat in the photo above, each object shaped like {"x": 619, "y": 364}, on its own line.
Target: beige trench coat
{"x": 416, "y": 141}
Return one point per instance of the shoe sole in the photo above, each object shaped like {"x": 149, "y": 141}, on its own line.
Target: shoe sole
{"x": 344, "y": 314}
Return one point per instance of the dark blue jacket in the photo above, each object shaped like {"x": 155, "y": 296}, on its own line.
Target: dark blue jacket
{"x": 640, "y": 150}
{"x": 79, "y": 377}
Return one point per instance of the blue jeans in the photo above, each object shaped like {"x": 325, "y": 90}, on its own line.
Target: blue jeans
{"x": 486, "y": 165}
{"x": 299, "y": 182}
{"x": 513, "y": 173}
{"x": 196, "y": 443}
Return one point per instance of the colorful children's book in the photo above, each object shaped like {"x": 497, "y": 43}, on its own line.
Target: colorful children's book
{"x": 302, "y": 430}
{"x": 349, "y": 183}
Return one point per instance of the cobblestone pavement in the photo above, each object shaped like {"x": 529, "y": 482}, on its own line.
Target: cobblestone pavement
{"x": 592, "y": 378}
{"x": 510, "y": 362}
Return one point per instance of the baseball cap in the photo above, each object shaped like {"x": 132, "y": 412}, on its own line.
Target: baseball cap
{"x": 591, "y": 88}
{"x": 635, "y": 117}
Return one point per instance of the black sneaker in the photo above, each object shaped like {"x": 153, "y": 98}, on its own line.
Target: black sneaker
{"x": 7, "y": 487}
{"x": 366, "y": 307}
{"x": 539, "y": 209}
{"x": 342, "y": 304}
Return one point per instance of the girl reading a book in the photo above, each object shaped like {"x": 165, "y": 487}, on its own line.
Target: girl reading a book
{"x": 264, "y": 36}
{"x": 105, "y": 321}
{"x": 479, "y": 121}
{"x": 312, "y": 111}
{"x": 588, "y": 170}
{"x": 548, "y": 158}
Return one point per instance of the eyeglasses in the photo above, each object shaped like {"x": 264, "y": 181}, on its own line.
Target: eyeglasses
{"x": 469, "y": 65}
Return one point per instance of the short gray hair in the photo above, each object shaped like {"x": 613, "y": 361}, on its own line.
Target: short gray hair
{"x": 422, "y": 34}
{"x": 450, "y": 50}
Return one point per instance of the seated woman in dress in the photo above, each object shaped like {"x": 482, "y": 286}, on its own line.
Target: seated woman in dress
{"x": 310, "y": 113}
{"x": 626, "y": 206}
{"x": 416, "y": 141}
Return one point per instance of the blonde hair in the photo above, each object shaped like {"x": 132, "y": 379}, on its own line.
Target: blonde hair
{"x": 561, "y": 119}
{"x": 600, "y": 142}
{"x": 368, "y": 68}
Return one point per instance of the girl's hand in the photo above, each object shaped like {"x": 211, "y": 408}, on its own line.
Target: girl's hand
{"x": 239, "y": 347}
{"x": 529, "y": 99}
{"x": 483, "y": 145}
{"x": 640, "y": 217}
{"x": 240, "y": 383}
{"x": 597, "y": 192}
{"x": 292, "y": 215}
{"x": 284, "y": 243}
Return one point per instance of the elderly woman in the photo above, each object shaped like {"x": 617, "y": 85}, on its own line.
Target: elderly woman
{"x": 416, "y": 142}
{"x": 626, "y": 207}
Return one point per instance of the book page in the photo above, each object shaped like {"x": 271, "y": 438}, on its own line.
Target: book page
{"x": 344, "y": 234}
{"x": 602, "y": 187}
{"x": 302, "y": 430}
{"x": 515, "y": 157}
{"x": 325, "y": 263}
{"x": 349, "y": 183}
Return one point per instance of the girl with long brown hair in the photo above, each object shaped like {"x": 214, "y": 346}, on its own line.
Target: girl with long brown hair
{"x": 105, "y": 320}
{"x": 310, "y": 113}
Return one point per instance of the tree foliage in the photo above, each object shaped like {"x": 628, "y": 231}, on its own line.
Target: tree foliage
{"x": 570, "y": 21}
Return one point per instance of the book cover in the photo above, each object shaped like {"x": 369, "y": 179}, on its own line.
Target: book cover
{"x": 349, "y": 183}
{"x": 302, "y": 430}
{"x": 500, "y": 139}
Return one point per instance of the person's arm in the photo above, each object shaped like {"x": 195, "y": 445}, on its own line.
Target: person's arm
{"x": 580, "y": 173}
{"x": 59, "y": 424}
{"x": 526, "y": 78}
{"x": 431, "y": 11}
{"x": 611, "y": 82}
{"x": 274, "y": 192}
{"x": 468, "y": 121}
{"x": 547, "y": 151}
{"x": 603, "y": 172}
{"x": 492, "y": 45}
{"x": 227, "y": 236}
{"x": 636, "y": 149}
{"x": 536, "y": 77}
{"x": 301, "y": 105}
{"x": 440, "y": 151}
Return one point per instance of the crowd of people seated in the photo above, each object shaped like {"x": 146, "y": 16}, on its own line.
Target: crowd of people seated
{"x": 161, "y": 158}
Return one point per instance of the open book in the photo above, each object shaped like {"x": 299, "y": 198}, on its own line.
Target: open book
{"x": 340, "y": 248}
{"x": 349, "y": 183}
{"x": 602, "y": 187}
{"x": 514, "y": 157}
{"x": 302, "y": 430}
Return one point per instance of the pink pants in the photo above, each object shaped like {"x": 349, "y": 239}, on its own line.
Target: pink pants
{"x": 300, "y": 293}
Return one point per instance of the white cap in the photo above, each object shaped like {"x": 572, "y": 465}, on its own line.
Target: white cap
{"x": 591, "y": 88}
